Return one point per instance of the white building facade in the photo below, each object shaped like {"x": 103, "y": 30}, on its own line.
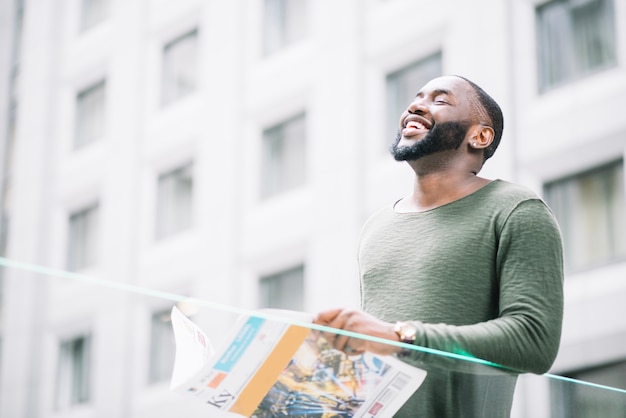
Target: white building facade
{"x": 231, "y": 151}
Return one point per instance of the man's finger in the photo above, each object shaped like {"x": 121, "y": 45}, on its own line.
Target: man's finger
{"x": 326, "y": 317}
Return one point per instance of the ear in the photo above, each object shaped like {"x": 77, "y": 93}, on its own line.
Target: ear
{"x": 481, "y": 136}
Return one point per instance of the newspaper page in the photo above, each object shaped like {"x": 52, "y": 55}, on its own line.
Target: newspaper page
{"x": 269, "y": 368}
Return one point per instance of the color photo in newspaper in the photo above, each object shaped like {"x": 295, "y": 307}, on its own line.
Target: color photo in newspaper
{"x": 273, "y": 369}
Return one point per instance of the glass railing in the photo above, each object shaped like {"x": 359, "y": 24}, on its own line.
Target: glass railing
{"x": 76, "y": 345}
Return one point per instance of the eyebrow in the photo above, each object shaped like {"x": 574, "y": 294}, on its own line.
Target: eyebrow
{"x": 436, "y": 92}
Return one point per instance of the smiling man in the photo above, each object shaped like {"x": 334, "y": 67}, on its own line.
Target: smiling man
{"x": 462, "y": 264}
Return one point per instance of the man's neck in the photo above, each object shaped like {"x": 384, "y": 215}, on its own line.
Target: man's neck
{"x": 437, "y": 188}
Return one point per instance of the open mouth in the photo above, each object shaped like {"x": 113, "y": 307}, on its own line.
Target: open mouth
{"x": 414, "y": 125}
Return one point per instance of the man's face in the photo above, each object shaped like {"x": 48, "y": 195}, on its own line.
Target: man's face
{"x": 437, "y": 120}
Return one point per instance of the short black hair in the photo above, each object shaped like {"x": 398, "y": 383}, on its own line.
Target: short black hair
{"x": 495, "y": 114}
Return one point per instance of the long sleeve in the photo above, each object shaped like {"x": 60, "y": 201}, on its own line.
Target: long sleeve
{"x": 526, "y": 334}
{"x": 482, "y": 276}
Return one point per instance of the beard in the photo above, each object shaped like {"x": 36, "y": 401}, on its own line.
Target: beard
{"x": 444, "y": 136}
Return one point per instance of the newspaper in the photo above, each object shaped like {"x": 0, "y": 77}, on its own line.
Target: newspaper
{"x": 271, "y": 368}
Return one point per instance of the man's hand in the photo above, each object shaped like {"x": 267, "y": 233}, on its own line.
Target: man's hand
{"x": 359, "y": 322}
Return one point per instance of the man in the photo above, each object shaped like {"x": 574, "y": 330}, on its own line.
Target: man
{"x": 462, "y": 264}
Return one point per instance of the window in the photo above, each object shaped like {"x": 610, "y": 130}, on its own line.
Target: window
{"x": 284, "y": 156}
{"x": 162, "y": 348}
{"x": 83, "y": 238}
{"x": 570, "y": 399}
{"x": 180, "y": 67}
{"x": 174, "y": 201}
{"x": 90, "y": 114}
{"x": 93, "y": 12}
{"x": 403, "y": 85}
{"x": 574, "y": 39}
{"x": 284, "y": 23}
{"x": 73, "y": 373}
{"x": 590, "y": 209}
{"x": 283, "y": 290}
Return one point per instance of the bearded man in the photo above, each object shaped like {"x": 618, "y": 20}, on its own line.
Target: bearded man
{"x": 462, "y": 264}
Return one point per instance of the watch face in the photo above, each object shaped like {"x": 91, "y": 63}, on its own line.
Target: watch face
{"x": 406, "y": 331}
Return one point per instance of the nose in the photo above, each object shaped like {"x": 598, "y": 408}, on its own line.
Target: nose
{"x": 417, "y": 106}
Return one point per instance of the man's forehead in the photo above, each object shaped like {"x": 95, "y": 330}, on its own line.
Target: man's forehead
{"x": 446, "y": 84}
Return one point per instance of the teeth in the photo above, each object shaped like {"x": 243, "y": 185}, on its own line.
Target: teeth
{"x": 414, "y": 124}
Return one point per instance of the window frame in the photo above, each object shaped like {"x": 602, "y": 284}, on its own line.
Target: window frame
{"x": 66, "y": 386}
{"x": 83, "y": 254}
{"x": 276, "y": 286}
{"x": 90, "y": 126}
{"x": 168, "y": 220}
{"x": 578, "y": 69}
{"x": 276, "y": 177}
{"x": 554, "y": 197}
{"x": 171, "y": 70}
{"x": 562, "y": 392}
{"x": 157, "y": 371}
{"x": 278, "y": 32}
{"x": 90, "y": 21}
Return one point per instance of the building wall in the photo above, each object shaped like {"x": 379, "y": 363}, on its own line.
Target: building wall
{"x": 337, "y": 75}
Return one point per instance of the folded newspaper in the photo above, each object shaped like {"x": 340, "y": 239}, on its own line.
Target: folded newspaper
{"x": 272, "y": 368}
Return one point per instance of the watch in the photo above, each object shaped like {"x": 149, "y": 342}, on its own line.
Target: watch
{"x": 406, "y": 332}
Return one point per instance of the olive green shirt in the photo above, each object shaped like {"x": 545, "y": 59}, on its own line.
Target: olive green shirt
{"x": 481, "y": 276}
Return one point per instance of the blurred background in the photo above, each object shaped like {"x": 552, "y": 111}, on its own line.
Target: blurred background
{"x": 231, "y": 151}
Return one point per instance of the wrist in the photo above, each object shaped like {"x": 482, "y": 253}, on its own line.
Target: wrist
{"x": 406, "y": 333}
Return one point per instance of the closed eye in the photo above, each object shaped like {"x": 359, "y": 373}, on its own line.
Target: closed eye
{"x": 441, "y": 98}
